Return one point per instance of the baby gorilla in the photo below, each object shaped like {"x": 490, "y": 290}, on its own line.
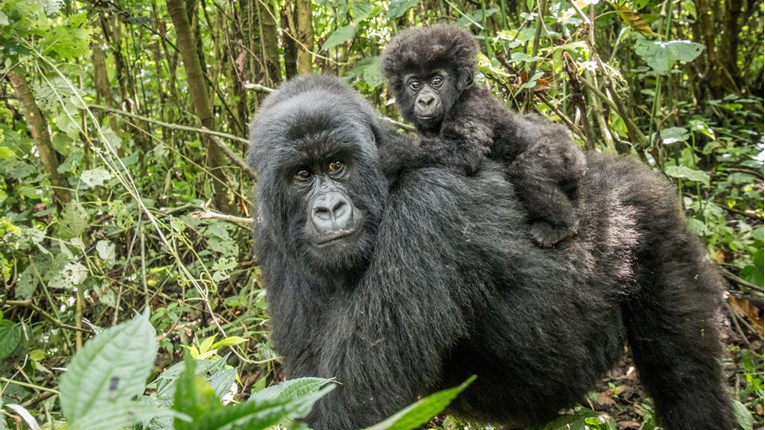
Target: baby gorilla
{"x": 430, "y": 71}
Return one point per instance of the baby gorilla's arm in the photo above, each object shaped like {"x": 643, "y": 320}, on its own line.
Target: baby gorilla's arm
{"x": 462, "y": 146}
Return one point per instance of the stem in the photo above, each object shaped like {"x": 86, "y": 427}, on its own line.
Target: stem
{"x": 47, "y": 316}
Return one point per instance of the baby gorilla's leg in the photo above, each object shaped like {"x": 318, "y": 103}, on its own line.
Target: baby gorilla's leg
{"x": 546, "y": 177}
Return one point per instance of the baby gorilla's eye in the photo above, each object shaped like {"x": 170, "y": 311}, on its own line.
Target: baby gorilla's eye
{"x": 303, "y": 174}
{"x": 336, "y": 166}
{"x": 415, "y": 85}
{"x": 437, "y": 81}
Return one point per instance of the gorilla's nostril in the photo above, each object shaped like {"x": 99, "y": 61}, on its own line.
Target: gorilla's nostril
{"x": 332, "y": 213}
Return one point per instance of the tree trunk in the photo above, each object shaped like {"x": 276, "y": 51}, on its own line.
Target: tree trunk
{"x": 269, "y": 44}
{"x": 728, "y": 54}
{"x": 304, "y": 27}
{"x": 39, "y": 129}
{"x": 290, "y": 47}
{"x": 200, "y": 100}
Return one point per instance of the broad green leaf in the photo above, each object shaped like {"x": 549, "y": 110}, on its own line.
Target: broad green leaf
{"x": 112, "y": 139}
{"x": 368, "y": 69}
{"x": 291, "y": 389}
{"x": 260, "y": 415}
{"x": 106, "y": 250}
{"x": 420, "y": 412}
{"x": 118, "y": 416}
{"x": 684, "y": 172}
{"x": 661, "y": 56}
{"x": 397, "y": 8}
{"x": 222, "y": 383}
{"x": 6, "y": 153}
{"x": 71, "y": 275}
{"x": 342, "y": 34}
{"x": 674, "y": 135}
{"x": 10, "y": 336}
{"x": 74, "y": 220}
{"x": 193, "y": 396}
{"x": 363, "y": 10}
{"x": 95, "y": 177}
{"x": 702, "y": 127}
{"x": 27, "y": 283}
{"x": 110, "y": 370}
{"x": 744, "y": 418}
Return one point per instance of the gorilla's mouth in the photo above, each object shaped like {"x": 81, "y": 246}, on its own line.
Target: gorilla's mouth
{"x": 335, "y": 237}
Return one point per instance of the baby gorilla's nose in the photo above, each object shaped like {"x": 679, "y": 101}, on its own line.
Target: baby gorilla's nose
{"x": 426, "y": 100}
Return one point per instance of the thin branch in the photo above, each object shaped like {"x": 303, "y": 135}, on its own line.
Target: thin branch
{"x": 233, "y": 156}
{"x": 259, "y": 88}
{"x": 737, "y": 280}
{"x": 168, "y": 125}
{"x": 208, "y": 214}
{"x": 47, "y": 316}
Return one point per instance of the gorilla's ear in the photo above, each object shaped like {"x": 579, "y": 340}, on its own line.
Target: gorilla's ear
{"x": 377, "y": 131}
{"x": 465, "y": 80}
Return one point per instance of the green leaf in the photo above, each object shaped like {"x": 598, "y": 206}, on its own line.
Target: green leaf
{"x": 420, "y": 412}
{"x": 743, "y": 416}
{"x": 673, "y": 135}
{"x": 7, "y": 153}
{"x": 95, "y": 177}
{"x": 661, "y": 56}
{"x": 229, "y": 341}
{"x": 110, "y": 369}
{"x": 368, "y": 69}
{"x": 291, "y": 389}
{"x": 117, "y": 416}
{"x": 342, "y": 34}
{"x": 74, "y": 220}
{"x": 106, "y": 250}
{"x": 687, "y": 173}
{"x": 257, "y": 415}
{"x": 193, "y": 396}
{"x": 71, "y": 275}
{"x": 362, "y": 10}
{"x": 397, "y": 8}
{"x": 27, "y": 284}
{"x": 10, "y": 336}
{"x": 633, "y": 19}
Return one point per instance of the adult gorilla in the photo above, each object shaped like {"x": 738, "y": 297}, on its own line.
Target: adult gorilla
{"x": 399, "y": 293}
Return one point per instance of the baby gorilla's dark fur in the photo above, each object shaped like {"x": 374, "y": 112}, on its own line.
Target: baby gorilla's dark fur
{"x": 463, "y": 125}
{"x": 437, "y": 279}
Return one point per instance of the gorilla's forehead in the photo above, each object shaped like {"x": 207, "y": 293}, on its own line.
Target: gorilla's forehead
{"x": 306, "y": 129}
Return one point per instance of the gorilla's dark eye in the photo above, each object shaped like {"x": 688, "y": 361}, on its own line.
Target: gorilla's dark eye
{"x": 415, "y": 85}
{"x": 335, "y": 167}
{"x": 303, "y": 174}
{"x": 437, "y": 81}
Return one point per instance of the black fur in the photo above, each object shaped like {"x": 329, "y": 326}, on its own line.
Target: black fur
{"x": 467, "y": 125}
{"x": 444, "y": 282}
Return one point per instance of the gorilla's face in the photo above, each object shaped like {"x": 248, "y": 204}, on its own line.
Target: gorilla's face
{"x": 320, "y": 189}
{"x": 425, "y": 96}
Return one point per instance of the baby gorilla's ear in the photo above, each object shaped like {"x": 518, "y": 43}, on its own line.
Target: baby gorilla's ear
{"x": 465, "y": 80}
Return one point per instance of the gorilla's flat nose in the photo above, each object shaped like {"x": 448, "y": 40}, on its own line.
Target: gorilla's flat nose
{"x": 331, "y": 212}
{"x": 426, "y": 100}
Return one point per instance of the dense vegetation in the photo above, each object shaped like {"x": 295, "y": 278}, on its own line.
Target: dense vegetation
{"x": 123, "y": 127}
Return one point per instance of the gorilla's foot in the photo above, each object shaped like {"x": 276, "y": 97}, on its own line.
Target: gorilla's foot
{"x": 546, "y": 235}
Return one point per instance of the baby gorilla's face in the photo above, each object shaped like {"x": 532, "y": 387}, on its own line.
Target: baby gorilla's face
{"x": 426, "y": 97}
